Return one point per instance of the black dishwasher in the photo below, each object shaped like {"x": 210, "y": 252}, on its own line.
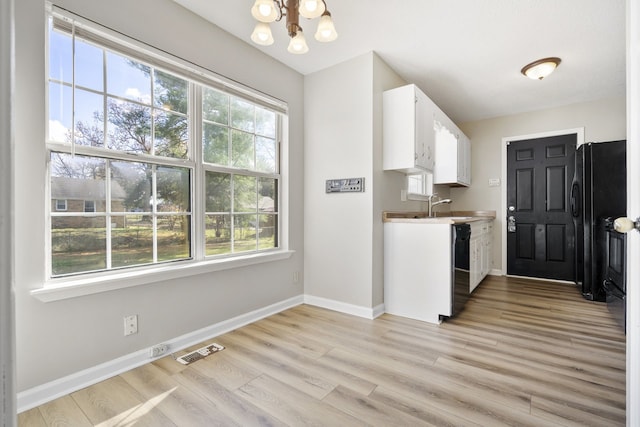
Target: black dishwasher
{"x": 461, "y": 234}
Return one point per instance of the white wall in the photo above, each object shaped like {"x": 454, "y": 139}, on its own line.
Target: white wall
{"x": 56, "y": 339}
{"x": 338, "y": 144}
{"x": 603, "y": 120}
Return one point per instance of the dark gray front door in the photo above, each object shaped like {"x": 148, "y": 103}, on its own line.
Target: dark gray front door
{"x": 540, "y": 232}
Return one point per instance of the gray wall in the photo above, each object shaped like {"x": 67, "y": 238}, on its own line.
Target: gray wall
{"x": 56, "y": 339}
{"x": 602, "y": 120}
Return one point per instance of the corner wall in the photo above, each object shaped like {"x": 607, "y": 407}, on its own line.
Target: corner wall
{"x": 343, "y": 139}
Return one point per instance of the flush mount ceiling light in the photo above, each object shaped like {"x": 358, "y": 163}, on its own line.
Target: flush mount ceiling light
{"x": 541, "y": 68}
{"x": 267, "y": 11}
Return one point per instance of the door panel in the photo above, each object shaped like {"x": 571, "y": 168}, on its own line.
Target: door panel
{"x": 538, "y": 186}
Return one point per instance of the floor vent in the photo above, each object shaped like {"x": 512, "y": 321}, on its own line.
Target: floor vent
{"x": 200, "y": 353}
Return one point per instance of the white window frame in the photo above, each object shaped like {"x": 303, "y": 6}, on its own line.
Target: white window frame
{"x": 89, "y": 283}
{"x": 58, "y": 208}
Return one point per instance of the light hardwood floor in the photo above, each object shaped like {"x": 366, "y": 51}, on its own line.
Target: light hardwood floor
{"x": 521, "y": 353}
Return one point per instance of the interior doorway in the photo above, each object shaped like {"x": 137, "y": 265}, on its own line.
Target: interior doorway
{"x": 537, "y": 227}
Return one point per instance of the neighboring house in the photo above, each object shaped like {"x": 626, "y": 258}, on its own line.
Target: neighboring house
{"x": 82, "y": 196}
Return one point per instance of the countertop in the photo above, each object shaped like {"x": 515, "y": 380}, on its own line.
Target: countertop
{"x": 453, "y": 217}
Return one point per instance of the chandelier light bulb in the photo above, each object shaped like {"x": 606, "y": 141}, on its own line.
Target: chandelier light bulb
{"x": 262, "y": 34}
{"x": 298, "y": 44}
{"x": 326, "y": 30}
{"x": 264, "y": 11}
{"x": 311, "y": 8}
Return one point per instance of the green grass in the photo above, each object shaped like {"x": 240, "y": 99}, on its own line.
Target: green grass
{"x": 83, "y": 250}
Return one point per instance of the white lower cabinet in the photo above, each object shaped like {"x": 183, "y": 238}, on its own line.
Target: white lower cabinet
{"x": 480, "y": 252}
{"x": 417, "y": 270}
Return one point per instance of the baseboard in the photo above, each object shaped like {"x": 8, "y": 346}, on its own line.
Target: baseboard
{"x": 52, "y": 390}
{"x": 343, "y": 307}
{"x": 495, "y": 272}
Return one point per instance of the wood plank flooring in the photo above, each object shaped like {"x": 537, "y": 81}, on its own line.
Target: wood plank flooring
{"x": 522, "y": 352}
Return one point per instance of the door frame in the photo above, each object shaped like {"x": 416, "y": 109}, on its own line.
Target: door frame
{"x": 501, "y": 217}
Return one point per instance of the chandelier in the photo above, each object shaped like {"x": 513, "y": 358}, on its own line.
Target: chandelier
{"x": 267, "y": 11}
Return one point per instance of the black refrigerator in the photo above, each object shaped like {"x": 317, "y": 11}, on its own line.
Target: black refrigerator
{"x": 598, "y": 191}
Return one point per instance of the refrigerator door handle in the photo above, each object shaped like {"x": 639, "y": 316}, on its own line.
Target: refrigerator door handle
{"x": 575, "y": 200}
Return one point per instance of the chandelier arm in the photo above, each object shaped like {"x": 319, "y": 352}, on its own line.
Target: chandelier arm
{"x": 281, "y": 7}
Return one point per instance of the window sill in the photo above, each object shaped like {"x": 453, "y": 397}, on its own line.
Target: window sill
{"x": 65, "y": 288}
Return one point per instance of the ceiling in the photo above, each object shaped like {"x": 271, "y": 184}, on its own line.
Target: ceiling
{"x": 466, "y": 55}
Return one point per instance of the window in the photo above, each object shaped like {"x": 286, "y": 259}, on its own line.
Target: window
{"x": 419, "y": 186}
{"x": 89, "y": 205}
{"x": 138, "y": 142}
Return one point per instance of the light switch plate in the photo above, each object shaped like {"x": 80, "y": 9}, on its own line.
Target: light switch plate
{"x": 494, "y": 182}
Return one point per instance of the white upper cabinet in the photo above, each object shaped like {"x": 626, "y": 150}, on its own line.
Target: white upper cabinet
{"x": 408, "y": 137}
{"x": 453, "y": 153}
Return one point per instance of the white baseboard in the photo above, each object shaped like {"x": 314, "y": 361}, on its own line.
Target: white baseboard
{"x": 52, "y": 390}
{"x": 495, "y": 272}
{"x": 343, "y": 307}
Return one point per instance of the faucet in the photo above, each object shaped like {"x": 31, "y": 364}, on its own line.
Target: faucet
{"x": 432, "y": 204}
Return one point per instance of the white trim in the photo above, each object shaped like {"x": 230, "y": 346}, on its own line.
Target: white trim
{"x": 343, "y": 307}
{"x": 501, "y": 215}
{"x": 495, "y": 272}
{"x": 71, "y": 287}
{"x": 63, "y": 386}
{"x": 633, "y": 211}
{"x": 7, "y": 232}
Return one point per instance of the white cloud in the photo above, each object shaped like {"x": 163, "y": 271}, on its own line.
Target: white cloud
{"x": 133, "y": 92}
{"x": 57, "y": 131}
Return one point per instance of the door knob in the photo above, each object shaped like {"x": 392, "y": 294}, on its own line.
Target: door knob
{"x": 624, "y": 225}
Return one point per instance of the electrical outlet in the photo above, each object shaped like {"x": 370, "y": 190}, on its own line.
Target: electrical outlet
{"x": 130, "y": 324}
{"x": 296, "y": 276}
{"x": 159, "y": 350}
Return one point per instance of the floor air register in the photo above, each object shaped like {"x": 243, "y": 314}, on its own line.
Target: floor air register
{"x": 200, "y": 353}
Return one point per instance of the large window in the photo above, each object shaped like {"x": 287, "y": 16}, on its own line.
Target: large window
{"x": 154, "y": 162}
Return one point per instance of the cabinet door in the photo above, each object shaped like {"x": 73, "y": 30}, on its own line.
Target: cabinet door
{"x": 425, "y": 136}
{"x": 464, "y": 159}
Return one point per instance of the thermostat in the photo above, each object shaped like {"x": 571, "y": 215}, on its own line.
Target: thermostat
{"x": 346, "y": 185}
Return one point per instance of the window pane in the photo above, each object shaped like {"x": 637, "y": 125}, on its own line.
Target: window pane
{"x": 217, "y": 234}
{"x": 78, "y": 244}
{"x": 244, "y": 194}
{"x": 174, "y": 237}
{"x": 170, "y": 92}
{"x": 215, "y": 106}
{"x": 132, "y": 240}
{"x": 130, "y": 187}
{"x": 218, "y": 189}
{"x": 78, "y": 178}
{"x": 60, "y": 55}
{"x": 267, "y": 197}
{"x": 60, "y": 112}
{"x": 89, "y": 67}
{"x": 267, "y": 231}
{"x": 242, "y": 150}
{"x": 265, "y": 154}
{"x": 265, "y": 122}
{"x": 245, "y": 233}
{"x": 171, "y": 135}
{"x": 172, "y": 185}
{"x": 215, "y": 142}
{"x": 89, "y": 119}
{"x": 243, "y": 115}
{"x": 129, "y": 127}
{"x": 128, "y": 78}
